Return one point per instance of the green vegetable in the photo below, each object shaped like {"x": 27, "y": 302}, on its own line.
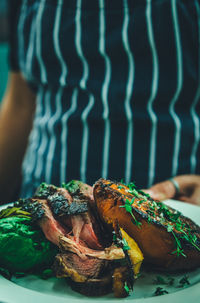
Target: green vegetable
{"x": 23, "y": 247}
{"x": 73, "y": 186}
{"x": 160, "y": 291}
{"x": 13, "y": 212}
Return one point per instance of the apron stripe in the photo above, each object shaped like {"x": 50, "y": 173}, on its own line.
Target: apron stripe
{"x": 84, "y": 150}
{"x": 154, "y": 89}
{"x": 129, "y": 91}
{"x": 51, "y": 126}
{"x": 31, "y": 45}
{"x": 44, "y": 139}
{"x": 78, "y": 45}
{"x": 30, "y": 159}
{"x": 172, "y": 112}
{"x": 57, "y": 44}
{"x": 64, "y": 136}
{"x": 104, "y": 91}
{"x": 195, "y": 117}
{"x": 39, "y": 41}
{"x": 20, "y": 32}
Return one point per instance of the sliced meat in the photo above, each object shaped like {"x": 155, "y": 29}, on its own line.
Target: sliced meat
{"x": 74, "y": 212}
{"x": 80, "y": 189}
{"x": 167, "y": 239}
{"x": 90, "y": 277}
{"x": 44, "y": 191}
{"x": 71, "y": 265}
{"x": 109, "y": 253}
{"x": 42, "y": 215}
{"x": 63, "y": 238}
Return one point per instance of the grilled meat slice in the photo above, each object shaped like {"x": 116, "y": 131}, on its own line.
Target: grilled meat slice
{"x": 68, "y": 264}
{"x": 44, "y": 191}
{"x": 42, "y": 215}
{"x": 80, "y": 189}
{"x": 84, "y": 192}
{"x": 109, "y": 253}
{"x": 69, "y": 222}
{"x": 75, "y": 213}
{"x": 92, "y": 276}
{"x": 64, "y": 238}
{"x": 167, "y": 239}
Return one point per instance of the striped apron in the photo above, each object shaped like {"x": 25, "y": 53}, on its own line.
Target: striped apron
{"x": 117, "y": 86}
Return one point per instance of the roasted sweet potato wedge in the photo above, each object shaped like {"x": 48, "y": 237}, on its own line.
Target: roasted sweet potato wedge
{"x": 168, "y": 240}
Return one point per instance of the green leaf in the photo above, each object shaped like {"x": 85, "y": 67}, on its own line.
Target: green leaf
{"x": 24, "y": 247}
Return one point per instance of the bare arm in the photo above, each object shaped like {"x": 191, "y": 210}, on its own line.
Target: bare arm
{"x": 16, "y": 117}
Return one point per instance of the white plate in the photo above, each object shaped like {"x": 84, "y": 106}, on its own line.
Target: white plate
{"x": 32, "y": 289}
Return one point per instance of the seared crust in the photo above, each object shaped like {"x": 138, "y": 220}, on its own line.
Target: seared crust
{"x": 152, "y": 233}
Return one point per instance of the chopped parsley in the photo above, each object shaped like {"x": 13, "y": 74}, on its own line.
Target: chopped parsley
{"x": 184, "y": 282}
{"x": 127, "y": 289}
{"x": 128, "y": 208}
{"x": 125, "y": 244}
{"x": 120, "y": 242}
{"x": 164, "y": 281}
{"x": 160, "y": 291}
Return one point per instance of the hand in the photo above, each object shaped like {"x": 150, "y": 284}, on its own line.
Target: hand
{"x": 189, "y": 189}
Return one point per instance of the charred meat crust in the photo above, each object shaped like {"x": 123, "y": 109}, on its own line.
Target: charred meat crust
{"x": 32, "y": 206}
{"x": 45, "y": 190}
{"x": 61, "y": 206}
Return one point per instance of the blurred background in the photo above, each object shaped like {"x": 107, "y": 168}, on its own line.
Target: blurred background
{"x": 3, "y": 47}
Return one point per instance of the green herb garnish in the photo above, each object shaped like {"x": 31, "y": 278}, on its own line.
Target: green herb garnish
{"x": 128, "y": 208}
{"x": 125, "y": 244}
{"x": 161, "y": 281}
{"x": 160, "y": 291}
{"x": 184, "y": 282}
{"x": 127, "y": 289}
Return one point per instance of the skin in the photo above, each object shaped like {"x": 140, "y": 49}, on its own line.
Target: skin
{"x": 189, "y": 189}
{"x": 16, "y": 118}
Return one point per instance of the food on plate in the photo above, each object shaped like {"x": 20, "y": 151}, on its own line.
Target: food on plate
{"x": 23, "y": 248}
{"x": 103, "y": 233}
{"x": 88, "y": 254}
{"x": 168, "y": 240}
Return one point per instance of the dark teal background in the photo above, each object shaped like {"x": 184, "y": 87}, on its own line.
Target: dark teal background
{"x": 3, "y": 47}
{"x": 3, "y": 68}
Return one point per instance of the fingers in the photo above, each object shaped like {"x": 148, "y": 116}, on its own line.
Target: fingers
{"x": 189, "y": 189}
{"x": 162, "y": 191}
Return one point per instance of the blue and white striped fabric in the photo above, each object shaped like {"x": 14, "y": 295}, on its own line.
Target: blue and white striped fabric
{"x": 117, "y": 86}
